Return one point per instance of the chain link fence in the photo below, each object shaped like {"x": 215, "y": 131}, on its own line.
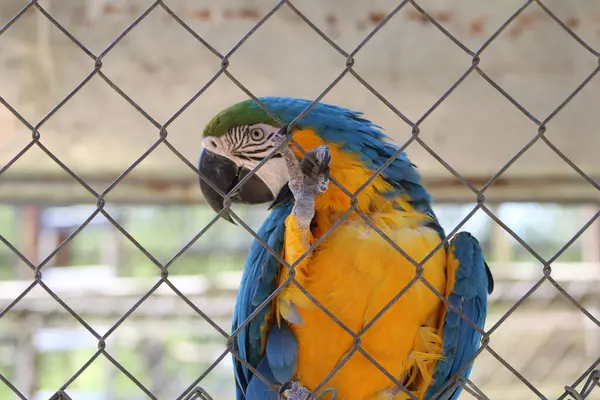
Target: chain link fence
{"x": 581, "y": 388}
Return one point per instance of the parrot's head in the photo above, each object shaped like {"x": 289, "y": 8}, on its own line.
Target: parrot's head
{"x": 238, "y": 138}
{"x": 234, "y": 142}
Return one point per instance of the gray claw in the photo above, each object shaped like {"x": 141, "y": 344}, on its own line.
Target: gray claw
{"x": 315, "y": 167}
{"x": 280, "y": 136}
{"x": 294, "y": 391}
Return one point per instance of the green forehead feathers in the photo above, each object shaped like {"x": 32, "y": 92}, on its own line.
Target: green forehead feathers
{"x": 244, "y": 113}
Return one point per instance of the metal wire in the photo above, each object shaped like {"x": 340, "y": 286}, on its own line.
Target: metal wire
{"x": 539, "y": 129}
{"x": 592, "y": 382}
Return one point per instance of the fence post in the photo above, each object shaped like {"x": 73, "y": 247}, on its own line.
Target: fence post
{"x": 26, "y": 357}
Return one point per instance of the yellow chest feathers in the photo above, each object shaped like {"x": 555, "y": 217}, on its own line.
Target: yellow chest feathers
{"x": 355, "y": 274}
{"x": 363, "y": 280}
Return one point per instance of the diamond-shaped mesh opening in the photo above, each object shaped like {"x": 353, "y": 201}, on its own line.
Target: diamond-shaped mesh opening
{"x": 194, "y": 342}
{"x": 34, "y": 40}
{"x": 530, "y": 24}
{"x": 258, "y": 58}
{"x": 160, "y": 54}
{"x": 557, "y": 345}
{"x": 152, "y": 288}
{"x": 45, "y": 341}
{"x": 96, "y": 99}
{"x": 396, "y": 83}
{"x": 455, "y": 114}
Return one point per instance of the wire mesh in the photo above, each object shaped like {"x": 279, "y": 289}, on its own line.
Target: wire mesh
{"x": 586, "y": 382}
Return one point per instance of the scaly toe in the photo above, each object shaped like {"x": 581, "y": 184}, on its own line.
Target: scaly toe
{"x": 323, "y": 154}
{"x": 294, "y": 391}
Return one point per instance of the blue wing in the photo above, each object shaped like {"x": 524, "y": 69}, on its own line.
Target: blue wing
{"x": 472, "y": 283}
{"x": 258, "y": 282}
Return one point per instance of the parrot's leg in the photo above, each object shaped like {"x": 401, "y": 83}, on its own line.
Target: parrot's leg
{"x": 308, "y": 178}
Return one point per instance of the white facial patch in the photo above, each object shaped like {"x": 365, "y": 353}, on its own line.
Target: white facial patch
{"x": 247, "y": 146}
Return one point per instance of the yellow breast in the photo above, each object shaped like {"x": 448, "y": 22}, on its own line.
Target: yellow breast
{"x": 355, "y": 274}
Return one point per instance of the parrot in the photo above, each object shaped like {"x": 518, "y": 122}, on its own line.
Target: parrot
{"x": 344, "y": 185}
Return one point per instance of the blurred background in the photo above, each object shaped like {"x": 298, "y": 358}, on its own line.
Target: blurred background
{"x": 107, "y": 134}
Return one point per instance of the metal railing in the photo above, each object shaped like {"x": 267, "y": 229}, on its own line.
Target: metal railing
{"x": 539, "y": 124}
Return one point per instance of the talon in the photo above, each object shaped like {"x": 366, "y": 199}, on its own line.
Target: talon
{"x": 323, "y": 186}
{"x": 280, "y": 136}
{"x": 323, "y": 153}
{"x": 294, "y": 391}
{"x": 284, "y": 388}
{"x": 315, "y": 168}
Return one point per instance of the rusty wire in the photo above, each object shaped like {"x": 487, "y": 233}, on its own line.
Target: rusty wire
{"x": 193, "y": 391}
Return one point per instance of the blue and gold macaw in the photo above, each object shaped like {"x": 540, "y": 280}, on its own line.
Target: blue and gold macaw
{"x": 354, "y": 273}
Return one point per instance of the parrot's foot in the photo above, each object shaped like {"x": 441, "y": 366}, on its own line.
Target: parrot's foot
{"x": 295, "y": 391}
{"x": 308, "y": 178}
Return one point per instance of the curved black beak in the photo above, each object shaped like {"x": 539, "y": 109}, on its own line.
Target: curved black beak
{"x": 225, "y": 174}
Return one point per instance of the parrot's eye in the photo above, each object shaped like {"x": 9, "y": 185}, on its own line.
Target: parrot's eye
{"x": 257, "y": 134}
